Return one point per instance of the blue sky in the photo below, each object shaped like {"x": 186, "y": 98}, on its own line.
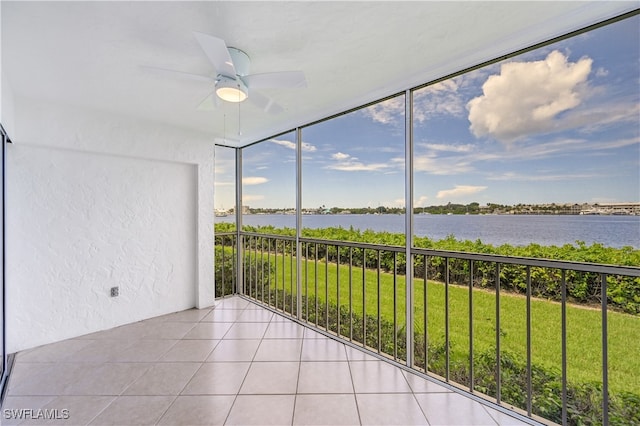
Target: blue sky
{"x": 559, "y": 124}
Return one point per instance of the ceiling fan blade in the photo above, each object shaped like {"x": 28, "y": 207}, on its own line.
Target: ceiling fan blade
{"x": 218, "y": 54}
{"x": 276, "y": 80}
{"x": 210, "y": 103}
{"x": 266, "y": 104}
{"x": 179, "y": 74}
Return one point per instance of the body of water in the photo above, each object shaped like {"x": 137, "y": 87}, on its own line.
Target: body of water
{"x": 611, "y": 231}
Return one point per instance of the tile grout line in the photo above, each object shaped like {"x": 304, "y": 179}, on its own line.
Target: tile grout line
{"x": 353, "y": 386}
{"x": 152, "y": 364}
{"x": 415, "y": 398}
{"x": 295, "y": 397}
{"x": 226, "y": 419}
{"x": 489, "y": 414}
{"x": 190, "y": 378}
{"x": 175, "y": 397}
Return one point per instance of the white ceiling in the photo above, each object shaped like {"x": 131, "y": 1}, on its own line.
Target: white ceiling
{"x": 91, "y": 54}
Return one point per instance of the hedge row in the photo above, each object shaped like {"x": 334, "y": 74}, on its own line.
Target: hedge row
{"x": 623, "y": 292}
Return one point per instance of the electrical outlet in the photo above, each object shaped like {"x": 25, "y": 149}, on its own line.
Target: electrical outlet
{"x": 115, "y": 291}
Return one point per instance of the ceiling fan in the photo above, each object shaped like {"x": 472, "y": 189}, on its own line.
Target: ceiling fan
{"x": 232, "y": 80}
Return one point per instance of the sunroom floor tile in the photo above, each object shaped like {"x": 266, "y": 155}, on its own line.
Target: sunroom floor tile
{"x": 235, "y": 363}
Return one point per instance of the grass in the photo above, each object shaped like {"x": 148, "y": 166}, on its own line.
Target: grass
{"x": 584, "y": 348}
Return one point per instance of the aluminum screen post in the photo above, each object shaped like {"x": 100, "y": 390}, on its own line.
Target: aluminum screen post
{"x": 408, "y": 229}
{"x": 239, "y": 238}
{"x": 298, "y": 222}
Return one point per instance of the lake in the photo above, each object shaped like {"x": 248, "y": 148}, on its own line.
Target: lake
{"x": 611, "y": 231}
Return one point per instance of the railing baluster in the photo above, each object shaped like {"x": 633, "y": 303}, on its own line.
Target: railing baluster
{"x": 262, "y": 268}
{"x": 269, "y": 275}
{"x": 446, "y": 318}
{"x": 326, "y": 287}
{"x": 222, "y": 287}
{"x": 245, "y": 253}
{"x": 379, "y": 325}
{"x": 364, "y": 298}
{"x": 529, "y": 380}
{"x": 564, "y": 348}
{"x": 338, "y": 290}
{"x": 250, "y": 266}
{"x": 306, "y": 281}
{"x": 253, "y": 252}
{"x": 291, "y": 244}
{"x": 351, "y": 294}
{"x": 498, "y": 366}
{"x": 275, "y": 262}
{"x": 284, "y": 276}
{"x": 424, "y": 314}
{"x": 234, "y": 261}
{"x": 252, "y": 270}
{"x": 605, "y": 352}
{"x": 255, "y": 267}
{"x": 395, "y": 306}
{"x": 316, "y": 280}
{"x": 471, "y": 380}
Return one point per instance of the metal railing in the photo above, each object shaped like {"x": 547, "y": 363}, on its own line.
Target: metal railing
{"x": 455, "y": 330}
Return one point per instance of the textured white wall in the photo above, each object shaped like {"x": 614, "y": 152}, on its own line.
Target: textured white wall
{"x": 6, "y": 104}
{"x": 94, "y": 201}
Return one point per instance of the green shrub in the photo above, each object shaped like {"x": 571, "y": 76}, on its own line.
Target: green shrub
{"x": 623, "y": 292}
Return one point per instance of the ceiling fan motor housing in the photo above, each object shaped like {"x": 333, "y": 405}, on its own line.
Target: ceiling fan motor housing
{"x": 240, "y": 60}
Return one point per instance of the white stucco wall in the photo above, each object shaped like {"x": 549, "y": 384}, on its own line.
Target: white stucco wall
{"x": 6, "y": 104}
{"x": 95, "y": 201}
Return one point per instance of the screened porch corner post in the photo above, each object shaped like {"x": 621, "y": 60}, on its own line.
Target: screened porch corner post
{"x": 408, "y": 216}
{"x": 298, "y": 222}
{"x": 239, "y": 236}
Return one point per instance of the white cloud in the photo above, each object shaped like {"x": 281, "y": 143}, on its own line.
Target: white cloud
{"x": 597, "y": 117}
{"x": 541, "y": 177}
{"x": 430, "y": 163}
{"x": 439, "y": 99}
{"x": 527, "y": 97}
{"x": 222, "y": 183}
{"x": 347, "y": 163}
{"x": 421, "y": 201}
{"x": 449, "y": 148}
{"x": 356, "y": 166}
{"x": 386, "y": 112}
{"x": 460, "y": 191}
{"x": 292, "y": 145}
{"x": 254, "y": 180}
{"x": 618, "y": 143}
{"x": 247, "y": 198}
{"x": 340, "y": 156}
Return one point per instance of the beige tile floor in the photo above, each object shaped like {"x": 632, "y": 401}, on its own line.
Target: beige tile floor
{"x": 236, "y": 364}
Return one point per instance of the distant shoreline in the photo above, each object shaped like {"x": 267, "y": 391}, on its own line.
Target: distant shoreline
{"x": 611, "y": 230}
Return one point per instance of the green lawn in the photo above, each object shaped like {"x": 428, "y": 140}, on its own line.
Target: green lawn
{"x": 584, "y": 338}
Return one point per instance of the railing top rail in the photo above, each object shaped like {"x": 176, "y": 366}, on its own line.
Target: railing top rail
{"x": 277, "y": 236}
{"x": 341, "y": 243}
{"x": 529, "y": 261}
{"x": 513, "y": 260}
{"x": 225, "y": 234}
{"x": 368, "y": 246}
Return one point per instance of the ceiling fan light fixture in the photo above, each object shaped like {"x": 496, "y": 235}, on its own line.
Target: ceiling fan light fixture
{"x": 231, "y": 90}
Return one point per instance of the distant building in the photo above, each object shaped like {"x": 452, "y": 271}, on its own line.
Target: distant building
{"x": 612, "y": 209}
